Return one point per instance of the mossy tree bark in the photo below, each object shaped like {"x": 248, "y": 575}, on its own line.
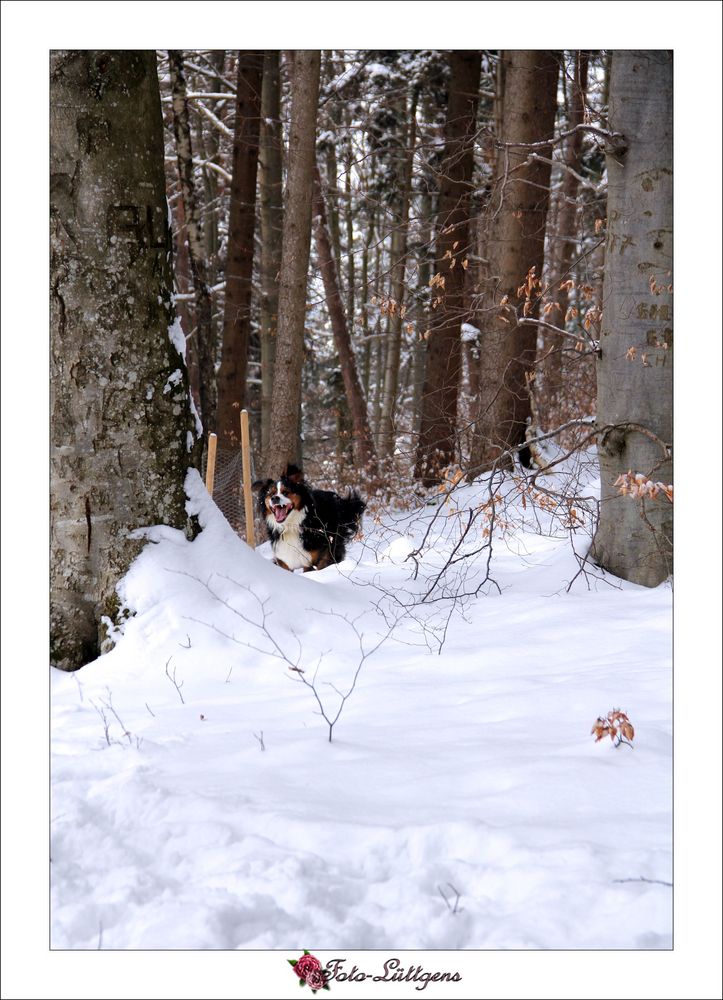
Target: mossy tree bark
{"x": 121, "y": 426}
{"x": 635, "y": 367}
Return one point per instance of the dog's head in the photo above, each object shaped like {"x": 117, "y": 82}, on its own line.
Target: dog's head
{"x": 278, "y": 499}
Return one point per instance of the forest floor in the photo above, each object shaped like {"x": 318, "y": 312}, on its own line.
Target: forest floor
{"x": 463, "y": 802}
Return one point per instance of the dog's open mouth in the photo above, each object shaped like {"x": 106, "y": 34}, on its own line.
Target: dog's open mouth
{"x": 281, "y": 513}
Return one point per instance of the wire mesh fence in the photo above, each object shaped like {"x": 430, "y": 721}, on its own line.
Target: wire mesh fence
{"x": 228, "y": 487}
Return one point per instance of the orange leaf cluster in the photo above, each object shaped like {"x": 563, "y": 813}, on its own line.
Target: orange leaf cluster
{"x": 616, "y": 725}
{"x": 530, "y": 285}
{"x": 639, "y": 486}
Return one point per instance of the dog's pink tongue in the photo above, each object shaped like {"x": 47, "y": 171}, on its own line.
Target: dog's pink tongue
{"x": 280, "y": 514}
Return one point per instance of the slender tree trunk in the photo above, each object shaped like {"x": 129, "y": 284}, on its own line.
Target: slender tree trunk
{"x": 211, "y": 179}
{"x": 271, "y": 217}
{"x": 121, "y": 425}
{"x": 635, "y": 367}
{"x": 426, "y": 214}
{"x": 349, "y": 219}
{"x": 363, "y": 448}
{"x": 437, "y": 437}
{"x": 365, "y": 305}
{"x": 205, "y": 333}
{"x": 333, "y": 121}
{"x": 566, "y": 230}
{"x": 516, "y": 245}
{"x": 387, "y": 435}
{"x": 239, "y": 267}
{"x": 283, "y": 440}
{"x": 184, "y": 286}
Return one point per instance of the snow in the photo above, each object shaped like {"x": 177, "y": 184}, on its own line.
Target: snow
{"x": 219, "y": 815}
{"x": 469, "y": 332}
{"x": 172, "y": 381}
{"x": 177, "y": 337}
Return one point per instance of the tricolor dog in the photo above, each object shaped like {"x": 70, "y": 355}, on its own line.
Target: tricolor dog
{"x": 308, "y": 528}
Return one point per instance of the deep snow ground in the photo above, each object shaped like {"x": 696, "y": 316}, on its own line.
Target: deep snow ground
{"x": 230, "y": 821}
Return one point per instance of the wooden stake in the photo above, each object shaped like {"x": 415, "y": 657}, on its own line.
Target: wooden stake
{"x": 246, "y": 465}
{"x": 211, "y": 463}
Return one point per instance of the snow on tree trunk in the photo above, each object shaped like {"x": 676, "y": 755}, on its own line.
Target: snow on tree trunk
{"x": 239, "y": 267}
{"x": 635, "y": 367}
{"x": 205, "y": 331}
{"x": 516, "y": 243}
{"x": 296, "y": 244}
{"x": 438, "y": 433}
{"x": 121, "y": 426}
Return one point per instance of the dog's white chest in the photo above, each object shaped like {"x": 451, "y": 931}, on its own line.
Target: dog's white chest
{"x": 288, "y": 548}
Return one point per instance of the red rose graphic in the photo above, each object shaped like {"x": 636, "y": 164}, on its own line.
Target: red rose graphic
{"x": 306, "y": 965}
{"x": 316, "y": 979}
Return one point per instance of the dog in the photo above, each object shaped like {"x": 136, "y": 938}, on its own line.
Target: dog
{"x": 308, "y": 528}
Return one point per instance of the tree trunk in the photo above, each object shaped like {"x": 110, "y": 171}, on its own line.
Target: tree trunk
{"x": 567, "y": 236}
{"x": 239, "y": 266}
{"x": 283, "y": 440}
{"x": 271, "y": 218}
{"x": 387, "y": 435}
{"x": 635, "y": 367}
{"x": 121, "y": 426}
{"x": 363, "y": 448}
{"x": 424, "y": 272}
{"x": 517, "y": 219}
{"x": 217, "y": 59}
{"x": 205, "y": 333}
{"x": 437, "y": 439}
{"x": 349, "y": 215}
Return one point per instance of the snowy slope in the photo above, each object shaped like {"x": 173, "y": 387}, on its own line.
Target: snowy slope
{"x": 463, "y": 802}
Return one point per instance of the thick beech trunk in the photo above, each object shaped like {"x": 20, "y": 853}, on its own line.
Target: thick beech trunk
{"x": 635, "y": 367}
{"x": 121, "y": 426}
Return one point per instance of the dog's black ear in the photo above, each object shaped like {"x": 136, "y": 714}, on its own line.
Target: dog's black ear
{"x": 294, "y": 473}
{"x": 261, "y": 484}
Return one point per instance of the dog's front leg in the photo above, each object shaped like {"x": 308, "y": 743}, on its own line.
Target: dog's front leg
{"x": 282, "y": 564}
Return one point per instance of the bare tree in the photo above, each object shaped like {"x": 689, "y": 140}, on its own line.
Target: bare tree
{"x": 271, "y": 219}
{"x": 239, "y": 266}
{"x": 364, "y": 453}
{"x": 437, "y": 438}
{"x": 635, "y": 367}
{"x": 121, "y": 422}
{"x": 567, "y": 230}
{"x": 205, "y": 333}
{"x": 515, "y": 249}
{"x": 294, "y": 263}
{"x": 400, "y": 236}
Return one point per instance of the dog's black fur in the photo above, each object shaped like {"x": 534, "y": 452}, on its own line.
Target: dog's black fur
{"x": 316, "y": 524}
